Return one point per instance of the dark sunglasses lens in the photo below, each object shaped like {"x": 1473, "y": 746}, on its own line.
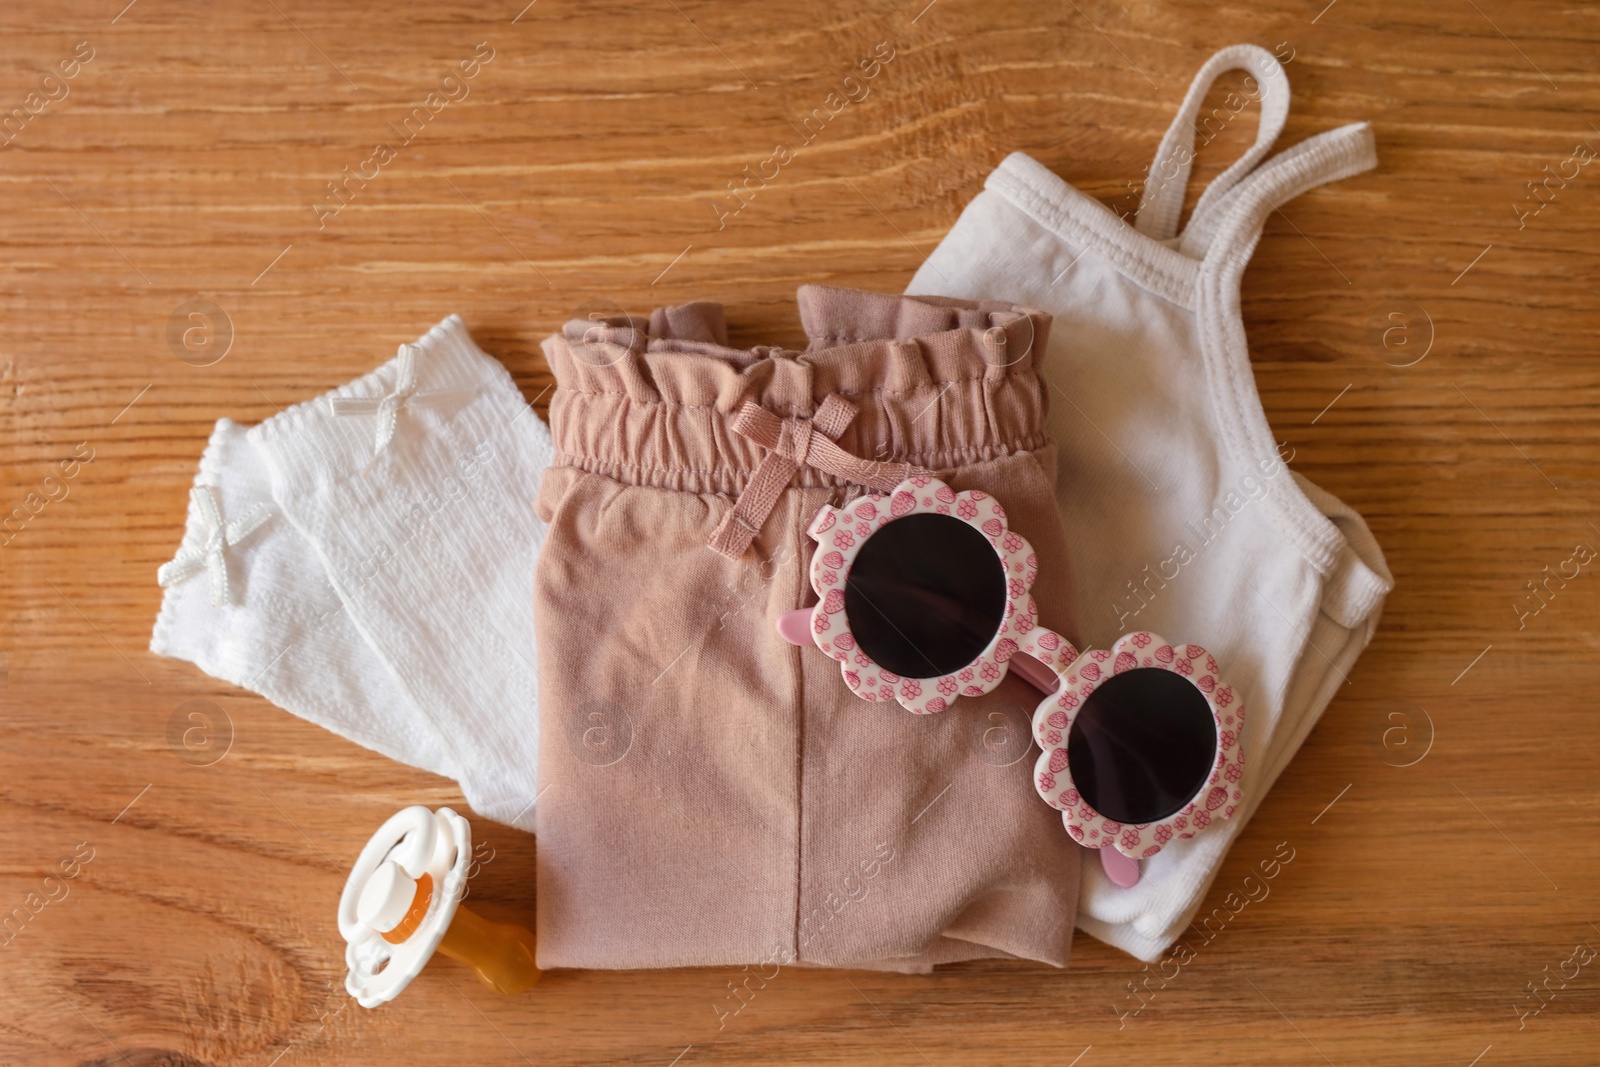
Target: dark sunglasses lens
{"x": 1142, "y": 745}
{"x": 926, "y": 594}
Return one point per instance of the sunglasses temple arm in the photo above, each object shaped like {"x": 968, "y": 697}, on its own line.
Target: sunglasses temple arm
{"x": 1122, "y": 870}
{"x": 795, "y": 626}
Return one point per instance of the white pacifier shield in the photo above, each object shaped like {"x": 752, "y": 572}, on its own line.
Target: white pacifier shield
{"x": 379, "y": 893}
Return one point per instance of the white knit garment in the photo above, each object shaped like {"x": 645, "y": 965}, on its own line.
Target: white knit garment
{"x": 1163, "y": 443}
{"x": 388, "y": 596}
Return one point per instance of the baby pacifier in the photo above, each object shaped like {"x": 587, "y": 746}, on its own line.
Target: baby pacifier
{"x": 403, "y": 901}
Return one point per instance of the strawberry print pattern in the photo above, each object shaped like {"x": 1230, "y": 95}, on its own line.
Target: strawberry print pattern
{"x": 1218, "y": 798}
{"x": 840, "y": 533}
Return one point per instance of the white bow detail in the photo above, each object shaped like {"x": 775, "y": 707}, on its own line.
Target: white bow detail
{"x": 388, "y": 408}
{"x": 210, "y": 556}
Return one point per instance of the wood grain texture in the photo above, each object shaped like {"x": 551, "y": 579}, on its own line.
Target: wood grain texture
{"x": 185, "y": 161}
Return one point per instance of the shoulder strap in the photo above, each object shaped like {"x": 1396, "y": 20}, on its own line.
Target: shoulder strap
{"x": 1241, "y": 212}
{"x": 1161, "y": 205}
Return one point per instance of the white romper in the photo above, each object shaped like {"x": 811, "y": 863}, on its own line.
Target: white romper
{"x": 1181, "y": 515}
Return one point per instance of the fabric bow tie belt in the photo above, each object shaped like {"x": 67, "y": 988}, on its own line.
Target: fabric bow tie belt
{"x": 792, "y": 443}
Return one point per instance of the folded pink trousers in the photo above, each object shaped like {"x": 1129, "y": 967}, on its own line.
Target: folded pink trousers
{"x": 712, "y": 794}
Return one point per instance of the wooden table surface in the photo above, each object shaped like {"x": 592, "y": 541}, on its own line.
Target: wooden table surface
{"x": 1424, "y": 340}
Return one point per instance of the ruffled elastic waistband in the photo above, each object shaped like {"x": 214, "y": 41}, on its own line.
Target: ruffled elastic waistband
{"x": 937, "y": 382}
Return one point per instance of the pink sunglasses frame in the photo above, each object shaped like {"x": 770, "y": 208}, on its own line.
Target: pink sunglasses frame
{"x": 1049, "y": 662}
{"x": 841, "y": 532}
{"x": 1218, "y": 797}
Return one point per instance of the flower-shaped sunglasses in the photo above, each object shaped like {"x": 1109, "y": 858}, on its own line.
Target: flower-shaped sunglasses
{"x": 925, "y": 598}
